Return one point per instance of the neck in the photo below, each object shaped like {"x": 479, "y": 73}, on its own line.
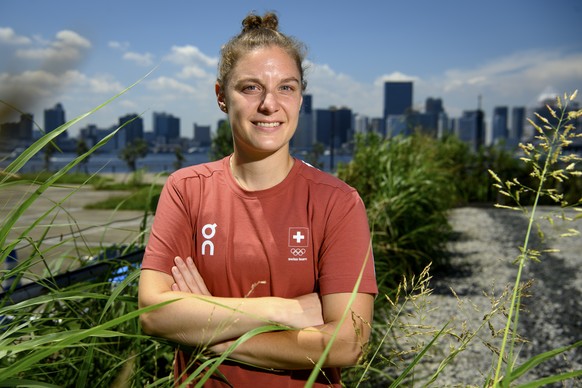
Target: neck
{"x": 263, "y": 173}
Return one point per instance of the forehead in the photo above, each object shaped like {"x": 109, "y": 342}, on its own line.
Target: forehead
{"x": 270, "y": 60}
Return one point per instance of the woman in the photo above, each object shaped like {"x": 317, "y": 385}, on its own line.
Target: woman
{"x": 260, "y": 237}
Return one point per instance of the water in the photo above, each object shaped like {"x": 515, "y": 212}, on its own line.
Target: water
{"x": 154, "y": 163}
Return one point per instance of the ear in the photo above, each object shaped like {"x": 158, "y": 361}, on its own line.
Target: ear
{"x": 220, "y": 98}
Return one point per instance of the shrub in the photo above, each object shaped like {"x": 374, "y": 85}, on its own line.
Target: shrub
{"x": 407, "y": 189}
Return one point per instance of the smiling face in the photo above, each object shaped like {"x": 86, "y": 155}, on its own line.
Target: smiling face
{"x": 262, "y": 97}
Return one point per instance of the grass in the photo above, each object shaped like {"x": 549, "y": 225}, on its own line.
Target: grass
{"x": 87, "y": 334}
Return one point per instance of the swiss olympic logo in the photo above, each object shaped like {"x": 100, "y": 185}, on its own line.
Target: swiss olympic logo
{"x": 298, "y": 243}
{"x": 298, "y": 251}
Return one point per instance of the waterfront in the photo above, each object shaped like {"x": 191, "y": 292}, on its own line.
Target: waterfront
{"x": 153, "y": 162}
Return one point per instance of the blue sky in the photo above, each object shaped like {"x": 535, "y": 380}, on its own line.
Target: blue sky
{"x": 81, "y": 53}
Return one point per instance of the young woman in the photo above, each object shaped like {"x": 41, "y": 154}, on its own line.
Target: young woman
{"x": 260, "y": 237}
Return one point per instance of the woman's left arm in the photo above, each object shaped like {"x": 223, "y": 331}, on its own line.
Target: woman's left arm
{"x": 301, "y": 349}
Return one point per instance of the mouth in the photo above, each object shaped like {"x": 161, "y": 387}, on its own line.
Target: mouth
{"x": 267, "y": 124}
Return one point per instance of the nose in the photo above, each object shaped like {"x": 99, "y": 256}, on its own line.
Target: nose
{"x": 269, "y": 103}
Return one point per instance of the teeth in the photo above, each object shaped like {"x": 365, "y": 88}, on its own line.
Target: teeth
{"x": 269, "y": 125}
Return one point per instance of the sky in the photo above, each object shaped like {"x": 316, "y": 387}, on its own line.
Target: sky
{"x": 80, "y": 54}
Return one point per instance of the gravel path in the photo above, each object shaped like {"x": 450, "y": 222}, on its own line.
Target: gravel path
{"x": 485, "y": 245}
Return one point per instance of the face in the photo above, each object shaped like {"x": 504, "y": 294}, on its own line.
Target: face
{"x": 263, "y": 97}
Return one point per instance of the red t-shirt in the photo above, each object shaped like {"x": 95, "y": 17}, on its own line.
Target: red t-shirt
{"x": 307, "y": 234}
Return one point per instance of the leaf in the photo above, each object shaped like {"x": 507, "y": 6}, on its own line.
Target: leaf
{"x": 538, "y": 359}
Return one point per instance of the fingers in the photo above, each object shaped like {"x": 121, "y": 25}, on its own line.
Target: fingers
{"x": 187, "y": 278}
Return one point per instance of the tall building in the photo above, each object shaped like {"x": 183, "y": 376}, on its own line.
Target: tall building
{"x": 433, "y": 113}
{"x": 16, "y": 134}
{"x": 54, "y": 118}
{"x": 202, "y": 135}
{"x": 334, "y": 126}
{"x": 517, "y": 124}
{"x": 361, "y": 123}
{"x": 471, "y": 128}
{"x": 166, "y": 128}
{"x": 132, "y": 129}
{"x": 434, "y": 105}
{"x": 323, "y": 124}
{"x": 397, "y": 98}
{"x": 499, "y": 131}
{"x": 305, "y": 135}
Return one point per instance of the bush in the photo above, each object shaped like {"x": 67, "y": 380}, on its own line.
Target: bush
{"x": 407, "y": 188}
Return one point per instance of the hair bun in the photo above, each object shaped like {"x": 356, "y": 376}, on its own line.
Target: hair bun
{"x": 255, "y": 22}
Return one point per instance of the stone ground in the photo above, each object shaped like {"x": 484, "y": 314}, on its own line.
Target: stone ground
{"x": 486, "y": 243}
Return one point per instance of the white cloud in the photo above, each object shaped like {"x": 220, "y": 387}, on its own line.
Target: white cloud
{"x": 170, "y": 85}
{"x": 194, "y": 71}
{"x": 123, "y": 46}
{"x": 59, "y": 55}
{"x": 145, "y": 59}
{"x": 188, "y": 55}
{"x": 395, "y": 76}
{"x": 8, "y": 36}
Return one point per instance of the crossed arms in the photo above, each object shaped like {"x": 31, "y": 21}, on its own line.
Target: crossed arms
{"x": 197, "y": 318}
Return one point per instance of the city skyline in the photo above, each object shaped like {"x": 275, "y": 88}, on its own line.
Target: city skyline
{"x": 509, "y": 54}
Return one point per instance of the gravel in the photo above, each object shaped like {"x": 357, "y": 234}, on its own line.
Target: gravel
{"x": 486, "y": 244}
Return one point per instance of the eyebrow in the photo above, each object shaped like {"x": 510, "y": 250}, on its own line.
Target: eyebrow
{"x": 257, "y": 80}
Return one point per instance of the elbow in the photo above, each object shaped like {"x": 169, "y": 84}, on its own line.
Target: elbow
{"x": 350, "y": 355}
{"x": 147, "y": 323}
{"x": 350, "y": 351}
{"x": 151, "y": 321}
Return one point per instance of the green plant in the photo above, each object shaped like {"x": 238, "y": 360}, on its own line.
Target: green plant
{"x": 548, "y": 161}
{"x": 221, "y": 143}
{"x": 406, "y": 187}
{"x": 133, "y": 151}
{"x": 73, "y": 335}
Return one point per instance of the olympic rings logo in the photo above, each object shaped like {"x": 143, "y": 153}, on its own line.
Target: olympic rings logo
{"x": 297, "y": 251}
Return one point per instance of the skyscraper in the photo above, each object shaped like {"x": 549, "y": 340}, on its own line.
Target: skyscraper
{"x": 166, "y": 128}
{"x": 305, "y": 135}
{"x": 517, "y": 124}
{"x": 133, "y": 128}
{"x": 54, "y": 118}
{"x": 499, "y": 125}
{"x": 397, "y": 98}
{"x": 471, "y": 128}
{"x": 202, "y": 135}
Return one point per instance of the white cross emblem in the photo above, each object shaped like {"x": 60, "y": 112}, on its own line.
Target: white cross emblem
{"x": 298, "y": 237}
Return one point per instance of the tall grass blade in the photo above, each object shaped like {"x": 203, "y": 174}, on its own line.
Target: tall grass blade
{"x": 417, "y": 358}
{"x": 538, "y": 359}
{"x": 318, "y": 367}
{"x": 63, "y": 340}
{"x": 219, "y": 360}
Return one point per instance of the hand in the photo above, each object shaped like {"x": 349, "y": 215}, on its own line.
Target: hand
{"x": 187, "y": 278}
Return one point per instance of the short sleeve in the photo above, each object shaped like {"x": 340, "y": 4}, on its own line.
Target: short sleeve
{"x": 173, "y": 227}
{"x": 347, "y": 248}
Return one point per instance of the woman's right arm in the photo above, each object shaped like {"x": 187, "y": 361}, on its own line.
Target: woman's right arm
{"x": 196, "y": 319}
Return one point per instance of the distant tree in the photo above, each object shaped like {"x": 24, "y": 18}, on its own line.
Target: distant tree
{"x": 317, "y": 149}
{"x": 179, "y": 162}
{"x": 222, "y": 143}
{"x": 132, "y": 152}
{"x": 81, "y": 149}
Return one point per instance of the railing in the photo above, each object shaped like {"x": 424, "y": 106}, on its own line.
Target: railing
{"x": 101, "y": 270}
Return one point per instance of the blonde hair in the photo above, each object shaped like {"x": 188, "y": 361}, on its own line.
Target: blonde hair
{"x": 257, "y": 32}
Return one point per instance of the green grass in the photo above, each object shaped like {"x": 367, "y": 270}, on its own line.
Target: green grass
{"x": 140, "y": 199}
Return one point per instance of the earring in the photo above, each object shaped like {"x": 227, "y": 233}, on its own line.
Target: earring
{"x": 222, "y": 106}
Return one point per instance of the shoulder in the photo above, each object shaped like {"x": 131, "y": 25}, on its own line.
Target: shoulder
{"x": 322, "y": 180}
{"x": 197, "y": 172}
